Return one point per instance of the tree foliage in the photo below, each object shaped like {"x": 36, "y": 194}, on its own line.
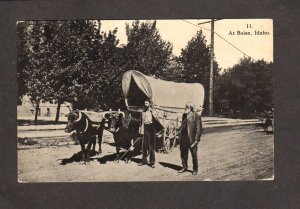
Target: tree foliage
{"x": 247, "y": 87}
{"x": 145, "y": 50}
{"x": 22, "y": 59}
{"x": 174, "y": 71}
{"x": 66, "y": 61}
{"x": 77, "y": 62}
{"x": 195, "y": 60}
{"x": 32, "y": 74}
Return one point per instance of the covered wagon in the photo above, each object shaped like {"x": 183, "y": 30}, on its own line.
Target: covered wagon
{"x": 168, "y": 99}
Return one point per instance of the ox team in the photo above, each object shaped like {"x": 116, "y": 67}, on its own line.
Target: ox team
{"x": 189, "y": 137}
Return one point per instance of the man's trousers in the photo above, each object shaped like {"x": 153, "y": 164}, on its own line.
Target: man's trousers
{"x": 184, "y": 153}
{"x": 149, "y": 143}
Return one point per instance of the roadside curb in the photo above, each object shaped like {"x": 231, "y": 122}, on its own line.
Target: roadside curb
{"x": 59, "y": 132}
{"x": 230, "y": 124}
{"x": 41, "y": 127}
{"x": 208, "y": 123}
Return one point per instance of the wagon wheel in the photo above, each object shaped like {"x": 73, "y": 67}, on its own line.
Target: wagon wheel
{"x": 169, "y": 138}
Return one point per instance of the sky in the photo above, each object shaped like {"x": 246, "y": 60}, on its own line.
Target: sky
{"x": 179, "y": 32}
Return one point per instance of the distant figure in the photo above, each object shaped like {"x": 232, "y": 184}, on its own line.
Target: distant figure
{"x": 149, "y": 127}
{"x": 190, "y": 133}
{"x": 48, "y": 112}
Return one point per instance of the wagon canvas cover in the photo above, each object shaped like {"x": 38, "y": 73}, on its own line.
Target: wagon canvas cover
{"x": 165, "y": 95}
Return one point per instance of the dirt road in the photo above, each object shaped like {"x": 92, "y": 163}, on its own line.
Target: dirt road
{"x": 232, "y": 153}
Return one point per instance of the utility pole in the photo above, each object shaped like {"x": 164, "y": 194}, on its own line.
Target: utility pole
{"x": 211, "y": 84}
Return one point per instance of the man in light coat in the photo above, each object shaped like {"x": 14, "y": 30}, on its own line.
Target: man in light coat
{"x": 150, "y": 124}
{"x": 190, "y": 133}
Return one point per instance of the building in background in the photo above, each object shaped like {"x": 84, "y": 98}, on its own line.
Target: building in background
{"x": 46, "y": 109}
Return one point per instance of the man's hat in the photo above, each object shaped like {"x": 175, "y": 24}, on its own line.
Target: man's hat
{"x": 190, "y": 105}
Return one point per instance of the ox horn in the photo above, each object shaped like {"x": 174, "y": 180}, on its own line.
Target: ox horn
{"x": 79, "y": 117}
{"x": 122, "y": 113}
{"x": 106, "y": 115}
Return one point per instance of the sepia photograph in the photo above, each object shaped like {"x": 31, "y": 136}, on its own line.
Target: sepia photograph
{"x": 145, "y": 100}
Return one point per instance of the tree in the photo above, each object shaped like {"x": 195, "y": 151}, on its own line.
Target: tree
{"x": 145, "y": 50}
{"x": 22, "y": 59}
{"x": 70, "y": 61}
{"x": 174, "y": 71}
{"x": 101, "y": 84}
{"x": 247, "y": 87}
{"x": 76, "y": 60}
{"x": 31, "y": 73}
{"x": 70, "y": 47}
{"x": 195, "y": 59}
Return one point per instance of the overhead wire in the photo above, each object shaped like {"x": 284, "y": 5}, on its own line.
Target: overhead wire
{"x": 226, "y": 41}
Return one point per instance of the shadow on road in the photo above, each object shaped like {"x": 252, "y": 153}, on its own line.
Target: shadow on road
{"x": 128, "y": 157}
{"x": 136, "y": 160}
{"x": 104, "y": 159}
{"x": 77, "y": 157}
{"x": 172, "y": 166}
{"x": 113, "y": 157}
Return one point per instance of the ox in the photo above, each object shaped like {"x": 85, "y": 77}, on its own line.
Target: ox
{"x": 125, "y": 129}
{"x": 86, "y": 131}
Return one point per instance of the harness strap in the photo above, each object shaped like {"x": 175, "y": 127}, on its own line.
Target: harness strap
{"x": 86, "y": 126}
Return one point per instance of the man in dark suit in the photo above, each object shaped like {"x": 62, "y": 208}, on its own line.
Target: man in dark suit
{"x": 190, "y": 133}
